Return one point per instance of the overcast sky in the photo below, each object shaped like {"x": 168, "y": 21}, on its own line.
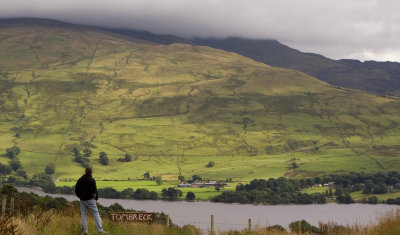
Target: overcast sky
{"x": 358, "y": 29}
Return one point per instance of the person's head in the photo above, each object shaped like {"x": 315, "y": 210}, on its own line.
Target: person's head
{"x": 88, "y": 171}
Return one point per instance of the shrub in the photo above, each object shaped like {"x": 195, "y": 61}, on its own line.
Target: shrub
{"x": 276, "y": 228}
{"x": 50, "y": 169}
{"x": 159, "y": 180}
{"x": 103, "y": 158}
{"x": 302, "y": 226}
{"x": 190, "y": 196}
{"x": 87, "y": 152}
{"x": 128, "y": 157}
{"x": 210, "y": 164}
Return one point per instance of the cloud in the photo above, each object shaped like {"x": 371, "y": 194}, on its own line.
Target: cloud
{"x": 360, "y": 29}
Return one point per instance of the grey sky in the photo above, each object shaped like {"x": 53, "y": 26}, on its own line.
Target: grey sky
{"x": 359, "y": 29}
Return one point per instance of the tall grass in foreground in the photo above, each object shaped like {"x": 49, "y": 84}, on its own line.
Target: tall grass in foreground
{"x": 67, "y": 222}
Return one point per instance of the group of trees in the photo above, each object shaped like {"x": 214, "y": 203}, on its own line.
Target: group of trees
{"x": 129, "y": 193}
{"x": 5, "y": 170}
{"x": 83, "y": 160}
{"x": 43, "y": 181}
{"x": 12, "y": 153}
{"x": 271, "y": 191}
{"x": 127, "y": 158}
{"x": 393, "y": 201}
{"x": 259, "y": 196}
{"x": 171, "y": 193}
{"x": 378, "y": 183}
{"x": 282, "y": 190}
{"x": 14, "y": 165}
{"x": 103, "y": 158}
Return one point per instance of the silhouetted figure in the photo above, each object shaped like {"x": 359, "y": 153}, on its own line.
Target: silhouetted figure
{"x": 86, "y": 190}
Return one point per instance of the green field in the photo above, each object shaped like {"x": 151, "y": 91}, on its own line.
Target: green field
{"x": 176, "y": 107}
{"x": 201, "y": 193}
{"x": 357, "y": 196}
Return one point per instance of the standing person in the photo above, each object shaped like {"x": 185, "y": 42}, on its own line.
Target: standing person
{"x": 86, "y": 190}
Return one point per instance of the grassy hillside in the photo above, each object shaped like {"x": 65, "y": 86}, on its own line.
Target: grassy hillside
{"x": 176, "y": 107}
{"x": 371, "y": 76}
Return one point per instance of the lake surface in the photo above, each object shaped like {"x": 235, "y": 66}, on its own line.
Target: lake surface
{"x": 235, "y": 216}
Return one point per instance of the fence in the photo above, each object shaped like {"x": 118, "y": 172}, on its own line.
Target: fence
{"x": 210, "y": 226}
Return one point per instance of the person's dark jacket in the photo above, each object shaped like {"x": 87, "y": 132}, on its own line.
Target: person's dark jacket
{"x": 85, "y": 188}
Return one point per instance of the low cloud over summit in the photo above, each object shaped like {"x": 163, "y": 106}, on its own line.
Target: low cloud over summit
{"x": 359, "y": 29}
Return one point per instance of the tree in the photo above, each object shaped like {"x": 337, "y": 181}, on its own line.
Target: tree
{"x": 196, "y": 178}
{"x": 128, "y": 157}
{"x": 181, "y": 178}
{"x": 159, "y": 180}
{"x": 373, "y": 200}
{"x": 85, "y": 162}
{"x": 44, "y": 181}
{"x": 339, "y": 190}
{"x": 76, "y": 151}
{"x": 5, "y": 170}
{"x": 302, "y": 226}
{"x": 381, "y": 188}
{"x": 309, "y": 181}
{"x": 146, "y": 175}
{"x": 153, "y": 195}
{"x": 210, "y": 164}
{"x": 15, "y": 164}
{"x": 171, "y": 193}
{"x": 346, "y": 198}
{"x": 50, "y": 169}
{"x": 87, "y": 152}
{"x": 8, "y": 190}
{"x": 368, "y": 185}
{"x": 103, "y": 158}
{"x": 330, "y": 192}
{"x": 13, "y": 151}
{"x": 22, "y": 173}
{"x": 128, "y": 193}
{"x": 141, "y": 193}
{"x": 190, "y": 196}
{"x": 294, "y": 165}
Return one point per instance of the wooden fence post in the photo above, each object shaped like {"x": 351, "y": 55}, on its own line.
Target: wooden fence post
{"x": 167, "y": 221}
{"x": 300, "y": 226}
{"x": 250, "y": 225}
{"x": 3, "y": 205}
{"x": 11, "y": 206}
{"x": 212, "y": 224}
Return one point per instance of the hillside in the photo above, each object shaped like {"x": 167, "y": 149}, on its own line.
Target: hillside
{"x": 375, "y": 77}
{"x": 176, "y": 107}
